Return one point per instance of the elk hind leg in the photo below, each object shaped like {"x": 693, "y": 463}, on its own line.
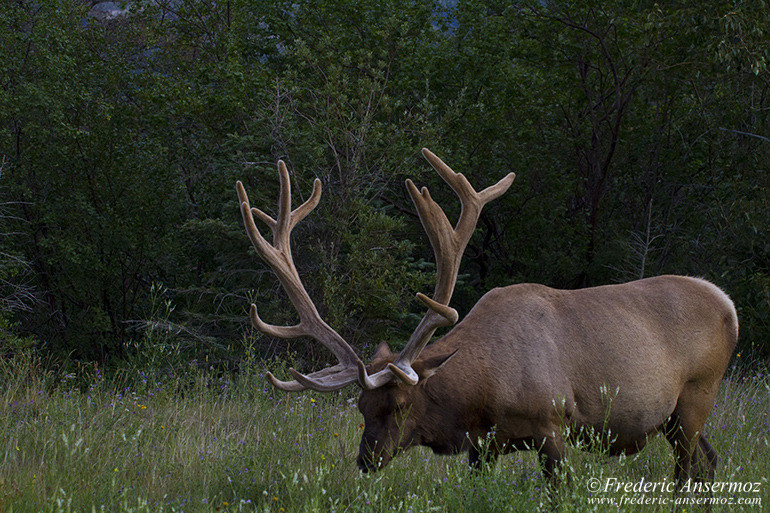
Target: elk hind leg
{"x": 706, "y": 459}
{"x": 550, "y": 454}
{"x": 695, "y": 458}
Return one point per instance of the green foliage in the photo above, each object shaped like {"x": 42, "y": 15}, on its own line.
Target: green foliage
{"x": 638, "y": 131}
{"x": 11, "y": 343}
{"x": 198, "y": 440}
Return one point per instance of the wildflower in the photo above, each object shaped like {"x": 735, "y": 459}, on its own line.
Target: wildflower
{"x": 275, "y": 498}
{"x": 336, "y": 435}
{"x": 738, "y": 355}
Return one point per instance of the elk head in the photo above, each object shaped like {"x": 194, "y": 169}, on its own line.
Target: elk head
{"x": 390, "y": 401}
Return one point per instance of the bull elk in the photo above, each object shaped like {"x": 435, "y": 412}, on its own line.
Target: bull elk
{"x": 528, "y": 363}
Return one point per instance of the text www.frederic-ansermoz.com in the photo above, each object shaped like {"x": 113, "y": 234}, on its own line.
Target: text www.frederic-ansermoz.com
{"x": 613, "y": 491}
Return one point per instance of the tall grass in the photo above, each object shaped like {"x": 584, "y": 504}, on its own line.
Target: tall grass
{"x": 203, "y": 441}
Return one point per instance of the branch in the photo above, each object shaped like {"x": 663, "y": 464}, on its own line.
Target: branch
{"x": 745, "y": 133}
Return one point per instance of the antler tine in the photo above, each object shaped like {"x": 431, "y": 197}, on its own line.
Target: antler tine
{"x": 278, "y": 257}
{"x": 448, "y": 247}
{"x": 315, "y": 380}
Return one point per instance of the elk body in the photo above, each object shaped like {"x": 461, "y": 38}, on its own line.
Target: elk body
{"x": 528, "y": 364}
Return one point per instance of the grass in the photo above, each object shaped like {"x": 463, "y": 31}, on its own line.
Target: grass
{"x": 208, "y": 442}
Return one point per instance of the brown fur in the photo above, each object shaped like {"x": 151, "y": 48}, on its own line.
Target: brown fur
{"x": 529, "y": 363}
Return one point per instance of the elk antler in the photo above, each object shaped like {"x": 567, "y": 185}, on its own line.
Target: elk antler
{"x": 448, "y": 247}
{"x": 278, "y": 256}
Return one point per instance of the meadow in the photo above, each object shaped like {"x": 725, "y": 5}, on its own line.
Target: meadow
{"x": 200, "y": 440}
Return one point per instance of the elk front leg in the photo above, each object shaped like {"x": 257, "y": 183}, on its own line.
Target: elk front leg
{"x": 479, "y": 460}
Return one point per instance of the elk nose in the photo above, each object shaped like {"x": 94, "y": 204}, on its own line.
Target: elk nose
{"x": 365, "y": 464}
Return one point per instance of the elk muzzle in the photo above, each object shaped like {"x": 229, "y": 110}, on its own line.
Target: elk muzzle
{"x": 374, "y": 455}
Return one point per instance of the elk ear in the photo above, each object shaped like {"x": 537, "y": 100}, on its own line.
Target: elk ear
{"x": 430, "y": 366}
{"x": 382, "y": 352}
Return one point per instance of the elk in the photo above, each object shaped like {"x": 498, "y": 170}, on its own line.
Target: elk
{"x": 528, "y": 364}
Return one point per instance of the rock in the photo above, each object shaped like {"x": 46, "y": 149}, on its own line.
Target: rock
{"x": 106, "y": 11}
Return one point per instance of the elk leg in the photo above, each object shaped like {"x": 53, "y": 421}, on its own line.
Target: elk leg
{"x": 695, "y": 459}
{"x": 694, "y": 456}
{"x": 707, "y": 459}
{"x": 681, "y": 444}
{"x": 550, "y": 454}
{"x": 480, "y": 460}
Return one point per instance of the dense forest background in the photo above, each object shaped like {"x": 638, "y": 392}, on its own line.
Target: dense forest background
{"x": 639, "y": 132}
